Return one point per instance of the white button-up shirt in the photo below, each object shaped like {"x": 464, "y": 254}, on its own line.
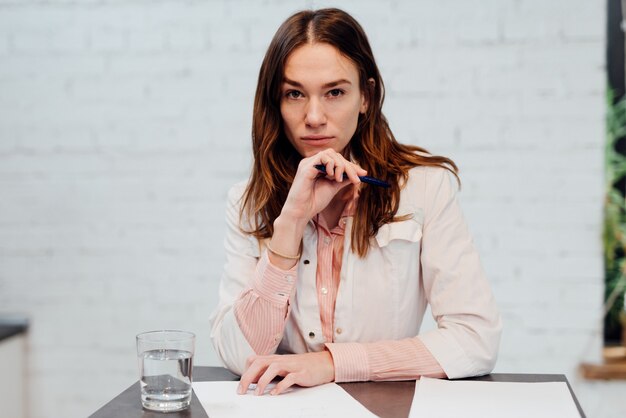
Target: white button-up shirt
{"x": 428, "y": 258}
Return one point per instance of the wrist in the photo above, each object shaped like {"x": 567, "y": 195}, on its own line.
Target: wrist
{"x": 284, "y": 246}
{"x": 291, "y": 225}
{"x": 330, "y": 364}
{"x": 281, "y": 255}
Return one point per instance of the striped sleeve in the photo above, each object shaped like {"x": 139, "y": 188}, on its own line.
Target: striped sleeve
{"x": 406, "y": 359}
{"x": 261, "y": 311}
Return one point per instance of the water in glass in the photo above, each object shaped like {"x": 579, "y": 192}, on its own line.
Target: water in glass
{"x": 165, "y": 379}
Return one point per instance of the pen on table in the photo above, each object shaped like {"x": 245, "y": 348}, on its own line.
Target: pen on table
{"x": 365, "y": 179}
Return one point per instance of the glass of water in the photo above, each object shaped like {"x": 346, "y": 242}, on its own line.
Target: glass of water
{"x": 165, "y": 364}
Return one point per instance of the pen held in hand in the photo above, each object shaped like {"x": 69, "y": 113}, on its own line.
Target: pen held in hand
{"x": 365, "y": 179}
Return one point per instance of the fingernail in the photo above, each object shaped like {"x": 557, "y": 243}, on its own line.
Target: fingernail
{"x": 257, "y": 391}
{"x": 273, "y": 392}
{"x": 240, "y": 390}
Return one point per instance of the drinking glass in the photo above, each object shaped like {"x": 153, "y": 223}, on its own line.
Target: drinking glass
{"x": 165, "y": 365}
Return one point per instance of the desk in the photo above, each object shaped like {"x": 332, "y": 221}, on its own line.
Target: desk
{"x": 385, "y": 399}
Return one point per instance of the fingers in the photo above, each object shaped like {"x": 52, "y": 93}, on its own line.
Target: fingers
{"x": 283, "y": 385}
{"x": 254, "y": 368}
{"x": 353, "y": 172}
{"x": 250, "y": 360}
{"x": 336, "y": 166}
{"x": 308, "y": 369}
{"x": 260, "y": 370}
{"x": 271, "y": 372}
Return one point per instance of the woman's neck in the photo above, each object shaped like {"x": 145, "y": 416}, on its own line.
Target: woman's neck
{"x": 332, "y": 212}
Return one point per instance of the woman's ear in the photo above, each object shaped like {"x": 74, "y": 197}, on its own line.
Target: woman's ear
{"x": 365, "y": 95}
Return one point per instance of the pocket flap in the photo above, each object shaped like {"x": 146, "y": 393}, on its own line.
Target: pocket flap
{"x": 408, "y": 230}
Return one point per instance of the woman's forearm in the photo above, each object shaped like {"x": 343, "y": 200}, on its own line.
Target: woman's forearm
{"x": 284, "y": 246}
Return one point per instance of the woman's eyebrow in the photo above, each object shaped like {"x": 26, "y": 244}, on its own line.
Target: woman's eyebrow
{"x": 326, "y": 86}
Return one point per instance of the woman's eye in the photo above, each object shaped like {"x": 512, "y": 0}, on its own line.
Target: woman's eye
{"x": 293, "y": 94}
{"x": 335, "y": 92}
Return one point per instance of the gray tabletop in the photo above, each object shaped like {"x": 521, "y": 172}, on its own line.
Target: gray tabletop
{"x": 385, "y": 399}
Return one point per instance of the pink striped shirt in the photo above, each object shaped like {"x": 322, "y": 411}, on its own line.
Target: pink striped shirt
{"x": 329, "y": 257}
{"x": 262, "y": 310}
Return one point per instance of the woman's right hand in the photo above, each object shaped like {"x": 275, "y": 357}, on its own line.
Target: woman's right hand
{"x": 311, "y": 192}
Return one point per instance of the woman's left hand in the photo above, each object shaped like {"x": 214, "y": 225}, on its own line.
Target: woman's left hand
{"x": 309, "y": 369}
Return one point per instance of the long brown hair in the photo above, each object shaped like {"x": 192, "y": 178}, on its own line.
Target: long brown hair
{"x": 373, "y": 145}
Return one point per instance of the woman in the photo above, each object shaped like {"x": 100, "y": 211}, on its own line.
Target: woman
{"x": 327, "y": 278}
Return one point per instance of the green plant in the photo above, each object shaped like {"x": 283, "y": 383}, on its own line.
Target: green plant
{"x": 614, "y": 233}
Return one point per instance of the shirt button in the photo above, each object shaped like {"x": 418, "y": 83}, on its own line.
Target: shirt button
{"x": 324, "y": 291}
{"x": 311, "y": 334}
{"x": 338, "y": 330}
{"x": 278, "y": 337}
{"x": 306, "y": 261}
{"x": 289, "y": 279}
{"x": 326, "y": 240}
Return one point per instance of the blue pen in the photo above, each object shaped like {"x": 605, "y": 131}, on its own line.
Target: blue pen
{"x": 365, "y": 179}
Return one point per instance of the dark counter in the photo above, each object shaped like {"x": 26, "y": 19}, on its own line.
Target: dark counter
{"x": 9, "y": 328}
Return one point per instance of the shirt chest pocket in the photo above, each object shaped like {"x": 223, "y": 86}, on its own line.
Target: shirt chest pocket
{"x": 408, "y": 230}
{"x": 399, "y": 248}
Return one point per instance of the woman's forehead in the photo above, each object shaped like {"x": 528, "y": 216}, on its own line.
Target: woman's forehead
{"x": 319, "y": 63}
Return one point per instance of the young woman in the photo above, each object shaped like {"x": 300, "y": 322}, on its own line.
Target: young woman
{"x": 327, "y": 278}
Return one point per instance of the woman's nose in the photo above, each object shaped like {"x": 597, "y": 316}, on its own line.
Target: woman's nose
{"x": 315, "y": 114}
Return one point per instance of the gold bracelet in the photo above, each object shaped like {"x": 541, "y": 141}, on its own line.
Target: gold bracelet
{"x": 288, "y": 257}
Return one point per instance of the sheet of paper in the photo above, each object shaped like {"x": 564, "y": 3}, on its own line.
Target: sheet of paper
{"x": 435, "y": 398}
{"x": 220, "y": 400}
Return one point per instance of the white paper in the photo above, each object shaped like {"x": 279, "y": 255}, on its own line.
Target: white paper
{"x": 220, "y": 400}
{"x": 435, "y": 398}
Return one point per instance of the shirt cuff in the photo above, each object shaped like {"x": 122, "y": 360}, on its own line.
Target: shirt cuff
{"x": 406, "y": 359}
{"x": 351, "y": 362}
{"x": 449, "y": 353}
{"x": 272, "y": 283}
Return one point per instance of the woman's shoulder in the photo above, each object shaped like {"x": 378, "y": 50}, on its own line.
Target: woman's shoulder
{"x": 428, "y": 175}
{"x": 234, "y": 204}
{"x": 234, "y": 199}
{"x": 426, "y": 184}
{"x": 236, "y": 191}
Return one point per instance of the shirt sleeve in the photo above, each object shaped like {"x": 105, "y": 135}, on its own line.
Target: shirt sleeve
{"x": 261, "y": 311}
{"x": 406, "y": 359}
{"x": 249, "y": 286}
{"x": 466, "y": 340}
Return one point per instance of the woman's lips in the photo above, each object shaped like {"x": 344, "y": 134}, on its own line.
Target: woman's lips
{"x": 317, "y": 139}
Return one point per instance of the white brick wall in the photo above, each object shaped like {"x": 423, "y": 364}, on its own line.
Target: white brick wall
{"x": 123, "y": 123}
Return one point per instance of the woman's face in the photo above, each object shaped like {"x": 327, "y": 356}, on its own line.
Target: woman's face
{"x": 320, "y": 99}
